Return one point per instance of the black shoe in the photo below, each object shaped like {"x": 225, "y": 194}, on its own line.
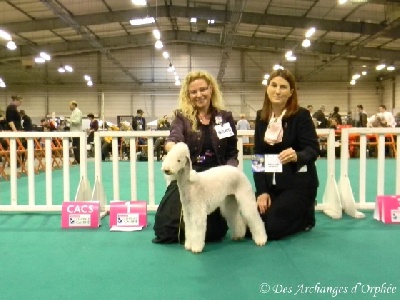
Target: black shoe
{"x": 75, "y": 162}
{"x": 309, "y": 227}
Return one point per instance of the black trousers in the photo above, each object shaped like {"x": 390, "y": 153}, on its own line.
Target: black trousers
{"x": 76, "y": 148}
{"x": 291, "y": 211}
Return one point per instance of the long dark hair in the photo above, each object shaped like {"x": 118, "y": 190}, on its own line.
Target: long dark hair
{"x": 292, "y": 105}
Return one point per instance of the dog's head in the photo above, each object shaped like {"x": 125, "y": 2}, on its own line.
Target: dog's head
{"x": 177, "y": 159}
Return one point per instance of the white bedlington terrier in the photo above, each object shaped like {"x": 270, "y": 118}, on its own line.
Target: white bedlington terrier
{"x": 201, "y": 193}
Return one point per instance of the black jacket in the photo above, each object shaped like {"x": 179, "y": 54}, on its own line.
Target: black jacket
{"x": 298, "y": 133}
{"x": 226, "y": 148}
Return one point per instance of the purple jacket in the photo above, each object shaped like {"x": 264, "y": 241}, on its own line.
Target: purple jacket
{"x": 225, "y": 149}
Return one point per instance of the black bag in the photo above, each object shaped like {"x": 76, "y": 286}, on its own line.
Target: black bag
{"x": 169, "y": 226}
{"x": 142, "y": 156}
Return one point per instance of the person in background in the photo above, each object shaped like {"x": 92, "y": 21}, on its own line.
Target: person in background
{"x": 319, "y": 115}
{"x": 13, "y": 118}
{"x": 94, "y": 126}
{"x": 362, "y": 117}
{"x": 26, "y": 121}
{"x": 3, "y": 123}
{"x": 201, "y": 113}
{"x": 386, "y": 117}
{"x": 286, "y": 190}
{"x": 106, "y": 146}
{"x": 310, "y": 108}
{"x": 243, "y": 124}
{"x": 336, "y": 115}
{"x": 75, "y": 121}
{"x": 162, "y": 124}
{"x": 139, "y": 121}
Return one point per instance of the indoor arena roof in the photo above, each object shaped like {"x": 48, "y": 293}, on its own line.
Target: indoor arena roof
{"x": 359, "y": 30}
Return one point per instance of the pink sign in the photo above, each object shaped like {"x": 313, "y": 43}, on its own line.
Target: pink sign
{"x": 128, "y": 214}
{"x": 387, "y": 209}
{"x": 82, "y": 214}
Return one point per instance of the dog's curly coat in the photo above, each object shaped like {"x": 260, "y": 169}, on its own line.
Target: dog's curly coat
{"x": 201, "y": 193}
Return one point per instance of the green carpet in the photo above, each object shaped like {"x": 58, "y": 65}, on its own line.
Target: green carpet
{"x": 39, "y": 260}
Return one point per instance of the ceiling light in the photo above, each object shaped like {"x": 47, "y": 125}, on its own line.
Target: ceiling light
{"x": 177, "y": 82}
{"x": 171, "y": 68}
{"x": 380, "y": 67}
{"x": 39, "y": 60}
{"x": 390, "y": 68}
{"x": 138, "y": 22}
{"x": 89, "y": 83}
{"x": 291, "y": 58}
{"x": 139, "y": 2}
{"x": 158, "y": 44}
{"x": 356, "y": 76}
{"x": 310, "y": 32}
{"x": 61, "y": 69}
{"x": 176, "y": 77}
{"x": 352, "y": 82}
{"x": 193, "y": 20}
{"x": 165, "y": 54}
{"x": 306, "y": 43}
{"x": 87, "y": 78}
{"x": 5, "y": 35}
{"x": 211, "y": 21}
{"x": 2, "y": 84}
{"x": 342, "y": 1}
{"x": 45, "y": 55}
{"x": 157, "y": 34}
{"x": 11, "y": 45}
{"x": 266, "y": 76}
{"x": 265, "y": 82}
{"x": 364, "y": 73}
{"x": 277, "y": 67}
{"x": 288, "y": 54}
{"x": 68, "y": 68}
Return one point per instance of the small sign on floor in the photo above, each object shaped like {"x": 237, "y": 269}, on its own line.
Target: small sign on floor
{"x": 80, "y": 214}
{"x": 128, "y": 215}
{"x": 387, "y": 209}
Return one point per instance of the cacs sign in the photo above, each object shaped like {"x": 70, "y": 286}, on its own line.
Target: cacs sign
{"x": 84, "y": 214}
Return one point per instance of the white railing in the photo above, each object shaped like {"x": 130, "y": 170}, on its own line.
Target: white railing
{"x": 336, "y": 197}
{"x": 33, "y": 155}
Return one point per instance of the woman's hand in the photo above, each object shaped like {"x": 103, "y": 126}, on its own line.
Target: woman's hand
{"x": 263, "y": 202}
{"x": 287, "y": 156}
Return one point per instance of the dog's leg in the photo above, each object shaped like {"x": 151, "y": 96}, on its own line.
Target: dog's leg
{"x": 230, "y": 210}
{"x": 248, "y": 208}
{"x": 199, "y": 227}
{"x": 188, "y": 228}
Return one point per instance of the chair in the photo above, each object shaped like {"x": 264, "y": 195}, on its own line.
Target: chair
{"x": 39, "y": 156}
{"x": 5, "y": 158}
{"x": 391, "y": 144}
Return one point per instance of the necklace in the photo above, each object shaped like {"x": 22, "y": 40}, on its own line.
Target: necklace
{"x": 205, "y": 120}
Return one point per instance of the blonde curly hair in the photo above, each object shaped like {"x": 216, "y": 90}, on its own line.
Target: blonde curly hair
{"x": 185, "y": 104}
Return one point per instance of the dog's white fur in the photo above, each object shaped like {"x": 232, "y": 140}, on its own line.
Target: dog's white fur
{"x": 201, "y": 193}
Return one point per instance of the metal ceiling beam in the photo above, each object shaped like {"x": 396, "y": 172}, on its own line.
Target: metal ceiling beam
{"x": 351, "y": 49}
{"x": 207, "y": 39}
{"x": 88, "y": 36}
{"x": 219, "y": 16}
{"x": 230, "y": 34}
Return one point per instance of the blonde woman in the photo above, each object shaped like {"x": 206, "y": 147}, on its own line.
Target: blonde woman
{"x": 210, "y": 133}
